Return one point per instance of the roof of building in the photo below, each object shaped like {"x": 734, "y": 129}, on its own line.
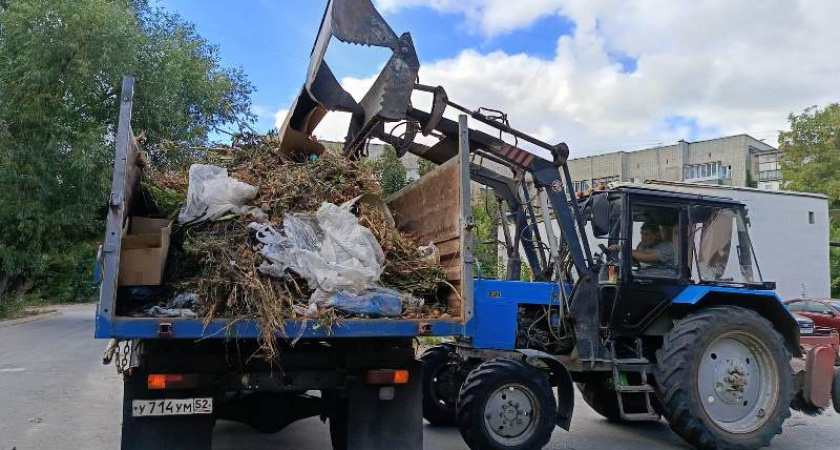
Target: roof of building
{"x": 670, "y": 145}
{"x": 735, "y": 188}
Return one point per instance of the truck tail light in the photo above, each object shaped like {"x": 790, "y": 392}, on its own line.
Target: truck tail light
{"x": 387, "y": 376}
{"x": 158, "y": 381}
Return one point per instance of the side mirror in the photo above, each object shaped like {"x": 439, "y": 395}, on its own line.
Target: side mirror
{"x": 600, "y": 215}
{"x": 829, "y": 312}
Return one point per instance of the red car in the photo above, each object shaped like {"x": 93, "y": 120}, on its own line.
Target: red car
{"x": 824, "y": 312}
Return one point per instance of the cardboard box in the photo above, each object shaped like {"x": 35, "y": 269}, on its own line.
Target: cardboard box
{"x": 143, "y": 253}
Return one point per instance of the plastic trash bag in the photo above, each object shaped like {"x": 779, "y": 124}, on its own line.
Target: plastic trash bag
{"x": 184, "y": 300}
{"x": 212, "y": 194}
{"x": 377, "y": 301}
{"x": 161, "y": 311}
{"x": 330, "y": 250}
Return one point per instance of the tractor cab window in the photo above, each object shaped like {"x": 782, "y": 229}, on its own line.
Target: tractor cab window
{"x": 655, "y": 241}
{"x": 720, "y": 247}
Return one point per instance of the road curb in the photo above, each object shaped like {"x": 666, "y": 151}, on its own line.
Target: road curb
{"x": 29, "y": 319}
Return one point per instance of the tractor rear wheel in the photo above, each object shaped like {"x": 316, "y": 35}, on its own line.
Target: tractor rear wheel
{"x": 601, "y": 399}
{"x": 725, "y": 379}
{"x": 506, "y": 405}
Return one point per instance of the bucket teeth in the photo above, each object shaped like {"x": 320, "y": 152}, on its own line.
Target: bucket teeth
{"x": 355, "y": 22}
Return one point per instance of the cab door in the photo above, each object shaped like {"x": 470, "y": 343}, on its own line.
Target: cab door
{"x": 654, "y": 261}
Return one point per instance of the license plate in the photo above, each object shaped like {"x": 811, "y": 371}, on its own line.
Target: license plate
{"x": 171, "y": 407}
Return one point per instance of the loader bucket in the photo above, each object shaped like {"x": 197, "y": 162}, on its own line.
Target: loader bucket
{"x": 353, "y": 22}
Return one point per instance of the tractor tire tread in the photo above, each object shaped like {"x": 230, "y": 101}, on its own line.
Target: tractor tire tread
{"x": 470, "y": 418}
{"x": 434, "y": 413}
{"x": 673, "y": 361}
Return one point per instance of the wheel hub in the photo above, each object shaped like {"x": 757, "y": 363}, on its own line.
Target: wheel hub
{"x": 732, "y": 383}
{"x": 735, "y": 387}
{"x": 509, "y": 412}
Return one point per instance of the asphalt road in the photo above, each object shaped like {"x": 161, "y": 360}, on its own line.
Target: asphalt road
{"x": 56, "y": 394}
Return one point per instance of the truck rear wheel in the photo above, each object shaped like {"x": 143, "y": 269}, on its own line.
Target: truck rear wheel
{"x": 506, "y": 405}
{"x": 725, "y": 379}
{"x": 441, "y": 382}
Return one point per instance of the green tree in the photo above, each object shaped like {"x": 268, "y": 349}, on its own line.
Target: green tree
{"x": 61, "y": 68}
{"x": 485, "y": 234}
{"x": 811, "y": 152}
{"x": 425, "y": 166}
{"x": 811, "y": 163}
{"x": 390, "y": 171}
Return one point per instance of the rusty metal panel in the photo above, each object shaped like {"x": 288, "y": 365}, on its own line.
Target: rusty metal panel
{"x": 819, "y": 374}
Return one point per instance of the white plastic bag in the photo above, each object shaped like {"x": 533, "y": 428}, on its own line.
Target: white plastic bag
{"x": 212, "y": 194}
{"x": 330, "y": 250}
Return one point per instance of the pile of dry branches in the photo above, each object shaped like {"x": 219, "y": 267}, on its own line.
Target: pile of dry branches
{"x": 218, "y": 260}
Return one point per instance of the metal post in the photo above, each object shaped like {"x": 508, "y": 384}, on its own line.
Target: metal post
{"x": 467, "y": 223}
{"x": 117, "y": 203}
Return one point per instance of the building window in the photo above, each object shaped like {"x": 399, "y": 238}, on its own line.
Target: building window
{"x": 706, "y": 171}
{"x": 811, "y": 217}
{"x": 769, "y": 168}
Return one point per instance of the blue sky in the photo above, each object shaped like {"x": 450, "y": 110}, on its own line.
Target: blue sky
{"x": 601, "y": 75}
{"x": 272, "y": 40}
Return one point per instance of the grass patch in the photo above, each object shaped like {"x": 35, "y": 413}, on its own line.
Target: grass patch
{"x": 17, "y": 307}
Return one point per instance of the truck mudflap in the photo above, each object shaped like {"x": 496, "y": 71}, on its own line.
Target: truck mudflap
{"x": 815, "y": 371}
{"x": 378, "y": 417}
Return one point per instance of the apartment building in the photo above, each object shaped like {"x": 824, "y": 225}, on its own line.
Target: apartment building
{"x": 739, "y": 160}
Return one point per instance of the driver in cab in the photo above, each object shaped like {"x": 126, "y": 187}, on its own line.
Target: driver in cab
{"x": 652, "y": 252}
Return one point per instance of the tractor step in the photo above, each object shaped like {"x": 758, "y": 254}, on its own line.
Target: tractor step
{"x": 631, "y": 361}
{"x": 640, "y": 417}
{"x": 638, "y": 365}
{"x": 637, "y": 389}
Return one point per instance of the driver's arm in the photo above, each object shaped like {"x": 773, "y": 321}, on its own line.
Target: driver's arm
{"x": 646, "y": 256}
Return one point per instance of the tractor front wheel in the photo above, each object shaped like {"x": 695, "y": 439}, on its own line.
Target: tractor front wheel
{"x": 725, "y": 379}
{"x": 506, "y": 405}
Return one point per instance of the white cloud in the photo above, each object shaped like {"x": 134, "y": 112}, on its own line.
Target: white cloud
{"x": 730, "y": 66}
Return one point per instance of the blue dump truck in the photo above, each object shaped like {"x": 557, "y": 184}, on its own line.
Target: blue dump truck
{"x": 650, "y": 302}
{"x": 182, "y": 374}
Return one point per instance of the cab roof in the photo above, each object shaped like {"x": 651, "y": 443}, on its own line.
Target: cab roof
{"x": 682, "y": 197}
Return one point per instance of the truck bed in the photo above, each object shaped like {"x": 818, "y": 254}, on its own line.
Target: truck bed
{"x": 434, "y": 209}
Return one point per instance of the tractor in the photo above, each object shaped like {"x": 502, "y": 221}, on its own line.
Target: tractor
{"x": 651, "y": 303}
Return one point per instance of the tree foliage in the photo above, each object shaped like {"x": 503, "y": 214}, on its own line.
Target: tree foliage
{"x": 425, "y": 166}
{"x": 390, "y": 171}
{"x": 811, "y": 163}
{"x": 485, "y": 238}
{"x": 61, "y": 69}
{"x": 811, "y": 152}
